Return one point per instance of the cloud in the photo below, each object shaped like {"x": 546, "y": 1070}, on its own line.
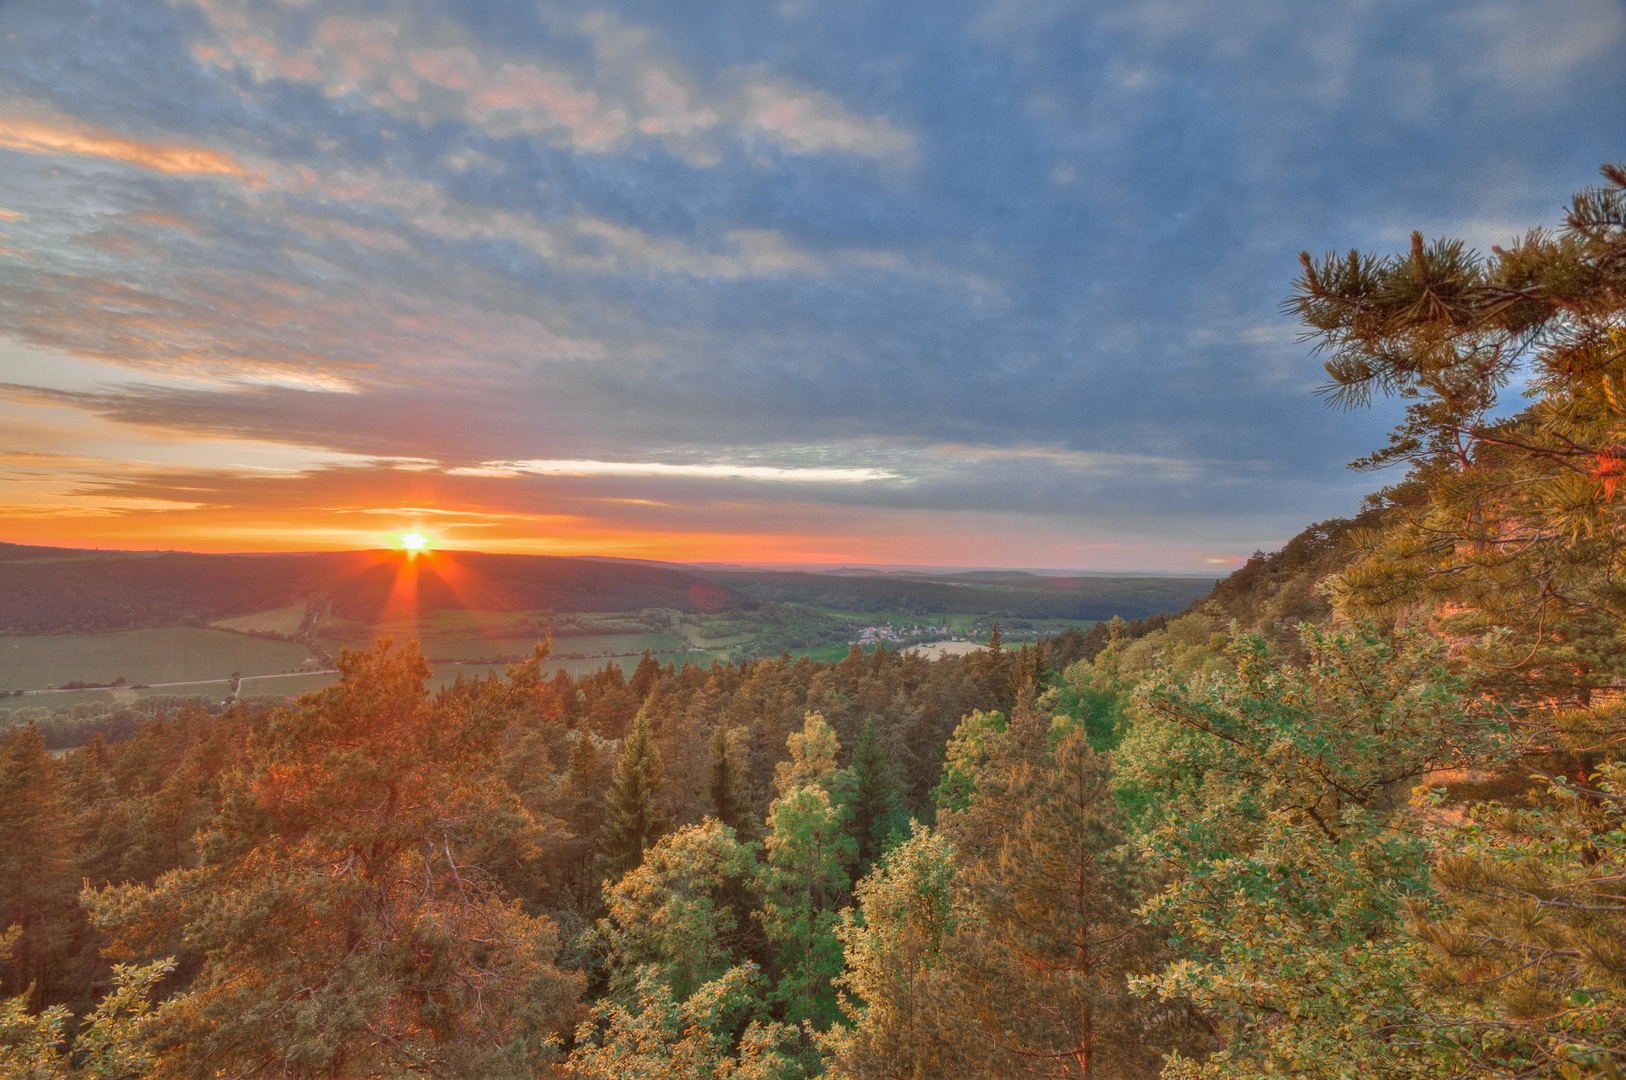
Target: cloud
{"x": 60, "y": 135}
{"x": 1079, "y": 461}
{"x": 1537, "y": 44}
{"x": 510, "y": 98}
{"x": 811, "y": 122}
{"x": 429, "y": 73}
{"x": 510, "y": 235}
{"x": 661, "y": 470}
{"x": 670, "y": 112}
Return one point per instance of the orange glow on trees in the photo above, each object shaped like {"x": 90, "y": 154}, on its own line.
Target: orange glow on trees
{"x": 344, "y": 923}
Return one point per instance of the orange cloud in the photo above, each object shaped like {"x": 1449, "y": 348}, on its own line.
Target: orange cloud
{"x": 61, "y": 135}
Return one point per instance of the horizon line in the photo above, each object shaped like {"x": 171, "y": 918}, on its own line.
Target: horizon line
{"x": 784, "y": 566}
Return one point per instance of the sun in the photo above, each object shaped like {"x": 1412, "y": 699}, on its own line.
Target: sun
{"x": 414, "y": 541}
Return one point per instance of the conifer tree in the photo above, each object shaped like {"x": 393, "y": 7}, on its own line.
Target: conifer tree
{"x": 809, "y": 851}
{"x": 660, "y": 1037}
{"x": 341, "y": 924}
{"x": 813, "y": 752}
{"x": 1511, "y": 526}
{"x": 1513, "y": 523}
{"x": 633, "y": 820}
{"x": 808, "y": 854}
{"x": 37, "y": 883}
{"x": 1025, "y": 671}
{"x": 645, "y": 675}
{"x": 873, "y": 799}
{"x": 680, "y": 912}
{"x": 728, "y": 803}
{"x": 1039, "y": 968}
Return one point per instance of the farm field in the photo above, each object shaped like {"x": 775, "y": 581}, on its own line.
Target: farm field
{"x": 173, "y": 654}
{"x": 283, "y": 620}
{"x": 449, "y": 647}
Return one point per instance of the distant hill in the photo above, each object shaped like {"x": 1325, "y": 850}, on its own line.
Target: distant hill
{"x": 1000, "y": 593}
{"x": 55, "y": 590}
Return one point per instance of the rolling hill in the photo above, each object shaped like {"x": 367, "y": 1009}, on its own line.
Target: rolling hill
{"x": 60, "y": 590}
{"x": 1001, "y": 593}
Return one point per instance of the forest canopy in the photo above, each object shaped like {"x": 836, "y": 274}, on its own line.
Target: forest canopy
{"x": 1361, "y": 811}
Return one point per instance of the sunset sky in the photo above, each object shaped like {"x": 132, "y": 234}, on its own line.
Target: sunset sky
{"x": 831, "y": 281}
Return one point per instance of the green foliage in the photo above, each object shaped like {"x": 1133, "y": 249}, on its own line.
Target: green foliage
{"x": 658, "y": 1037}
{"x": 808, "y": 852}
{"x": 112, "y": 1043}
{"x": 1527, "y": 948}
{"x": 1516, "y": 522}
{"x": 1508, "y": 531}
{"x": 902, "y": 1013}
{"x": 678, "y": 912}
{"x": 340, "y": 922}
{"x": 872, "y": 800}
{"x": 1043, "y": 863}
{"x": 813, "y": 752}
{"x": 1278, "y": 820}
{"x": 32, "y": 1044}
{"x": 633, "y": 821}
{"x": 966, "y": 751}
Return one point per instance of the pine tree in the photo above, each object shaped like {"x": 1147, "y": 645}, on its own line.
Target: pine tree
{"x": 1510, "y": 527}
{"x": 645, "y": 675}
{"x": 340, "y": 923}
{"x": 1025, "y": 671}
{"x": 1513, "y": 523}
{"x": 873, "y": 799}
{"x": 37, "y": 883}
{"x": 680, "y": 911}
{"x": 1038, "y": 966}
{"x": 697, "y": 1038}
{"x": 813, "y": 752}
{"x": 633, "y": 821}
{"x": 809, "y": 851}
{"x": 726, "y": 799}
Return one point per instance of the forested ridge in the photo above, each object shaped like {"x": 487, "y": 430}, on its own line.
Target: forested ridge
{"x": 87, "y": 591}
{"x": 1359, "y": 812}
{"x": 64, "y": 590}
{"x": 1025, "y": 596}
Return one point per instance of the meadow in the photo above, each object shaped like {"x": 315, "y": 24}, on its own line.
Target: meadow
{"x": 169, "y": 655}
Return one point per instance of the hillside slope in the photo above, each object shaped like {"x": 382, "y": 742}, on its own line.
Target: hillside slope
{"x": 55, "y": 590}
{"x": 1007, "y": 594}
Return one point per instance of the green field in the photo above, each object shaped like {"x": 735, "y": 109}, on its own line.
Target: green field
{"x": 60, "y": 699}
{"x": 438, "y": 646}
{"x": 200, "y": 655}
{"x": 283, "y": 620}
{"x": 174, "y": 654}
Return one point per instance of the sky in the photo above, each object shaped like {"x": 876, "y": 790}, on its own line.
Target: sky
{"x": 927, "y": 282}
